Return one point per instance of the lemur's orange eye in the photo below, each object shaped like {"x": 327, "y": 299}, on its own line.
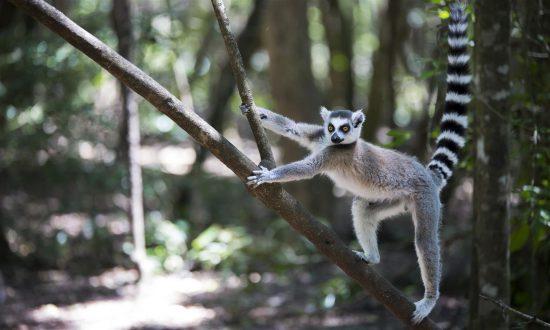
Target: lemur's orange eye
{"x": 330, "y": 128}
{"x": 345, "y": 128}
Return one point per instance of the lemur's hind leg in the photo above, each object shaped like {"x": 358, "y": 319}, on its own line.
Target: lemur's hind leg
{"x": 366, "y": 217}
{"x": 426, "y": 211}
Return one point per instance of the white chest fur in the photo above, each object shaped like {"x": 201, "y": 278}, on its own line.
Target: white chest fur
{"x": 359, "y": 188}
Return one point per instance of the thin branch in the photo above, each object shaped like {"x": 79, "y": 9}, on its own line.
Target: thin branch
{"x": 273, "y": 196}
{"x": 242, "y": 84}
{"x": 221, "y": 88}
{"x": 514, "y": 311}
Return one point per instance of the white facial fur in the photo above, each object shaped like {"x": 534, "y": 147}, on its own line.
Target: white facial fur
{"x": 352, "y": 135}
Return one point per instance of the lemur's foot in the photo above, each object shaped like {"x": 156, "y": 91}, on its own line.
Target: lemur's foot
{"x": 423, "y": 308}
{"x": 371, "y": 260}
{"x": 263, "y": 175}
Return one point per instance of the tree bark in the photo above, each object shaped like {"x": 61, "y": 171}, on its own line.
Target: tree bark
{"x": 339, "y": 39}
{"x": 272, "y": 195}
{"x": 492, "y": 181}
{"x": 122, "y": 22}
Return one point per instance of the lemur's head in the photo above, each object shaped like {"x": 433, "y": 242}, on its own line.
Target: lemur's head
{"x": 342, "y": 126}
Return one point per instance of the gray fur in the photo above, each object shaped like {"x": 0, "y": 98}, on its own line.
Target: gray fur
{"x": 384, "y": 182}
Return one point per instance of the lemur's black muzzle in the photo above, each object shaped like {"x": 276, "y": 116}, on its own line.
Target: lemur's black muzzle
{"x": 336, "y": 139}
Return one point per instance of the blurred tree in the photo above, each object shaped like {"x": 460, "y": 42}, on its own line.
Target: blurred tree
{"x": 6, "y": 14}
{"x": 292, "y": 84}
{"x": 339, "y": 39}
{"x": 202, "y": 53}
{"x": 530, "y": 286}
{"x": 130, "y": 137}
{"x": 381, "y": 97}
{"x": 7, "y": 256}
{"x": 492, "y": 179}
{"x": 220, "y": 91}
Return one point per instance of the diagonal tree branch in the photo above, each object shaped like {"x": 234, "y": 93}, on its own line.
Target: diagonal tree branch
{"x": 273, "y": 196}
{"x": 513, "y": 311}
{"x": 242, "y": 84}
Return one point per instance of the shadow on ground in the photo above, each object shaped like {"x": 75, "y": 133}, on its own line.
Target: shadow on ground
{"x": 196, "y": 300}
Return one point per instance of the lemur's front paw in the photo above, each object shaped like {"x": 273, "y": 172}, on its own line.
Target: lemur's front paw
{"x": 244, "y": 108}
{"x": 263, "y": 175}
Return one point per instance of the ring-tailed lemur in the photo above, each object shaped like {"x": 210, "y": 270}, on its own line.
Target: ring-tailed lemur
{"x": 385, "y": 182}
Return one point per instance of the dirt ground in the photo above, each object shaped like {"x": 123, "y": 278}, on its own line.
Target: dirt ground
{"x": 190, "y": 300}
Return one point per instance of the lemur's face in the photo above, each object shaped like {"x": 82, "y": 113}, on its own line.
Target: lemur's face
{"x": 342, "y": 126}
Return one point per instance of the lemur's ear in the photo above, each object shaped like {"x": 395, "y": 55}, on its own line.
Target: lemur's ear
{"x": 325, "y": 113}
{"x": 358, "y": 118}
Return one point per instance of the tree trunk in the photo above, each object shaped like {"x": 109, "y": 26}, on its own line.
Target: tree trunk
{"x": 292, "y": 84}
{"x": 7, "y": 256}
{"x": 122, "y": 18}
{"x": 339, "y": 39}
{"x": 381, "y": 97}
{"x": 492, "y": 181}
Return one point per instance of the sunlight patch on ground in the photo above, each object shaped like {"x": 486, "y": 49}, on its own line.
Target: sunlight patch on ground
{"x": 158, "y": 301}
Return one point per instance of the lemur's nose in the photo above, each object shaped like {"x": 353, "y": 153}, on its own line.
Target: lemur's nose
{"x": 336, "y": 139}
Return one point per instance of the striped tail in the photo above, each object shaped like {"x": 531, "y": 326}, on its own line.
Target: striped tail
{"x": 455, "y": 120}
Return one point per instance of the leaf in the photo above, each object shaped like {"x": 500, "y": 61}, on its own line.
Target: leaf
{"x": 399, "y": 136}
{"x": 443, "y": 14}
{"x": 428, "y": 74}
{"x": 519, "y": 238}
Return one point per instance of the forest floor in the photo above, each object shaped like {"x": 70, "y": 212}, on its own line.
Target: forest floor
{"x": 191, "y": 300}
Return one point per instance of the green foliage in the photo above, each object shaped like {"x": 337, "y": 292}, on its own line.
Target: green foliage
{"x": 237, "y": 250}
{"x": 166, "y": 241}
{"x": 530, "y": 239}
{"x": 444, "y": 14}
{"x": 399, "y": 137}
{"x": 519, "y": 237}
{"x": 221, "y": 246}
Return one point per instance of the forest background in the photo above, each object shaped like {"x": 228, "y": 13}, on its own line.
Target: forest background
{"x": 80, "y": 156}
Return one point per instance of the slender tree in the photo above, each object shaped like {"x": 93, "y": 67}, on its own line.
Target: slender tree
{"x": 7, "y": 21}
{"x": 339, "y": 40}
{"x": 381, "y": 95}
{"x": 122, "y": 22}
{"x": 492, "y": 181}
